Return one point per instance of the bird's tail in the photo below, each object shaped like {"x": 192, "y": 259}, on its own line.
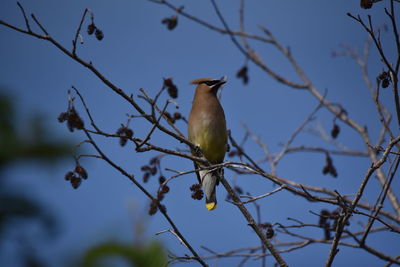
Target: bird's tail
{"x": 209, "y": 181}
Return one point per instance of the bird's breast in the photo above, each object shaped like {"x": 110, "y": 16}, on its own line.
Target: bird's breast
{"x": 209, "y": 133}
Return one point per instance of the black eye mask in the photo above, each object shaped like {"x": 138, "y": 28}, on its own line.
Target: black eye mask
{"x": 211, "y": 83}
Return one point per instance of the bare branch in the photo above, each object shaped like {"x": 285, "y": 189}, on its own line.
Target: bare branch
{"x": 78, "y": 30}
{"x": 28, "y": 27}
{"x": 160, "y": 207}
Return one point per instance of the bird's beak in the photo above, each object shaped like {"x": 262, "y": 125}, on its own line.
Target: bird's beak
{"x": 220, "y": 83}
{"x": 223, "y": 80}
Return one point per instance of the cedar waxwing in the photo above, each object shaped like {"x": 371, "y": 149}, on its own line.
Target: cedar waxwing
{"x": 207, "y": 130}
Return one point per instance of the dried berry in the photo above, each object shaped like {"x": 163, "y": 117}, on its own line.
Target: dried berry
{"x": 168, "y": 82}
{"x": 145, "y": 168}
{"x": 385, "y": 83}
{"x": 324, "y": 215}
{"x": 69, "y": 175}
{"x": 335, "y": 131}
{"x": 146, "y": 177}
{"x": 195, "y": 187}
{"x": 198, "y": 194}
{"x": 128, "y": 132}
{"x": 171, "y": 22}
{"x": 75, "y": 182}
{"x": 153, "y": 170}
{"x": 161, "y": 179}
{"x": 177, "y": 116}
{"x": 242, "y": 74}
{"x": 62, "y": 117}
{"x": 125, "y": 133}
{"x": 173, "y": 91}
{"x": 73, "y": 120}
{"x": 384, "y": 75}
{"x": 197, "y": 191}
{"x": 329, "y": 167}
{"x": 91, "y": 28}
{"x": 165, "y": 189}
{"x": 269, "y": 231}
{"x": 99, "y": 34}
{"x": 366, "y": 4}
{"x": 120, "y": 130}
{"x": 171, "y": 88}
{"x": 81, "y": 171}
{"x": 153, "y": 207}
{"x": 169, "y": 117}
{"x": 265, "y": 225}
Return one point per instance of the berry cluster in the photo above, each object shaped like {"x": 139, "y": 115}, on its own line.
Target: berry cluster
{"x": 124, "y": 133}
{"x": 171, "y": 22}
{"x": 329, "y": 168}
{"x": 242, "y": 74}
{"x": 72, "y": 118}
{"x": 75, "y": 177}
{"x": 92, "y": 28}
{"x": 269, "y": 231}
{"x": 171, "y": 88}
{"x": 328, "y": 221}
{"x": 384, "y": 78}
{"x": 155, "y": 203}
{"x": 197, "y": 192}
{"x": 151, "y": 169}
{"x": 173, "y": 118}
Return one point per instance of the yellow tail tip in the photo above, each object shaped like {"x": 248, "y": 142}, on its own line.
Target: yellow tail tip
{"x": 211, "y": 205}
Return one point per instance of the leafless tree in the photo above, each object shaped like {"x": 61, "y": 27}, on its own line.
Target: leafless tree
{"x": 383, "y": 153}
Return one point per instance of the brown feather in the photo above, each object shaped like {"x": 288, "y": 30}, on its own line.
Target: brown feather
{"x": 197, "y": 81}
{"x": 207, "y": 130}
{"x": 207, "y": 125}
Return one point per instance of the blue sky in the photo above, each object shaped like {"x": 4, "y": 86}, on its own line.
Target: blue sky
{"x": 137, "y": 52}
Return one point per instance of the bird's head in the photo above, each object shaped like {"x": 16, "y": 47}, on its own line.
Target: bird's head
{"x": 209, "y": 84}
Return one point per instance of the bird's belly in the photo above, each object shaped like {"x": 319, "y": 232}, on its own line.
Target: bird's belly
{"x": 212, "y": 142}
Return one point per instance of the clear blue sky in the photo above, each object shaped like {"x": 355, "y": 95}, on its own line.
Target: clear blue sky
{"x": 137, "y": 52}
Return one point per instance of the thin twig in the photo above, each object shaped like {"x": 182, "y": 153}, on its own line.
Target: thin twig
{"x": 78, "y": 30}
{"x": 40, "y": 25}
{"x": 381, "y": 199}
{"x": 252, "y": 198}
{"x": 161, "y": 209}
{"x": 28, "y": 27}
{"x": 251, "y": 222}
{"x": 345, "y": 216}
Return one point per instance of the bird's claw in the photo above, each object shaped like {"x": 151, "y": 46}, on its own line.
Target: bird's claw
{"x": 197, "y": 151}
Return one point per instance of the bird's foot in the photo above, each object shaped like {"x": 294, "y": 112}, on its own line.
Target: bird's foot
{"x": 197, "y": 151}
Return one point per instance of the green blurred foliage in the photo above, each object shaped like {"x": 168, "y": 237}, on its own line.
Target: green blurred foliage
{"x": 29, "y": 140}
{"x": 22, "y": 141}
{"x": 32, "y": 142}
{"x": 151, "y": 255}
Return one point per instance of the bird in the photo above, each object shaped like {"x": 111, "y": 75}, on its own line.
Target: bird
{"x": 207, "y": 131}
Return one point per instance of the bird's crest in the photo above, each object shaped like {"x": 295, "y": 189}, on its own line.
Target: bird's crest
{"x": 201, "y": 80}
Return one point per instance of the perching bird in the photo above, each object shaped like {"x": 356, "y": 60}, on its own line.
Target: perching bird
{"x": 207, "y": 130}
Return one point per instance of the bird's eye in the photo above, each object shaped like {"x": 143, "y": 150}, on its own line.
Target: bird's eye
{"x": 211, "y": 83}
